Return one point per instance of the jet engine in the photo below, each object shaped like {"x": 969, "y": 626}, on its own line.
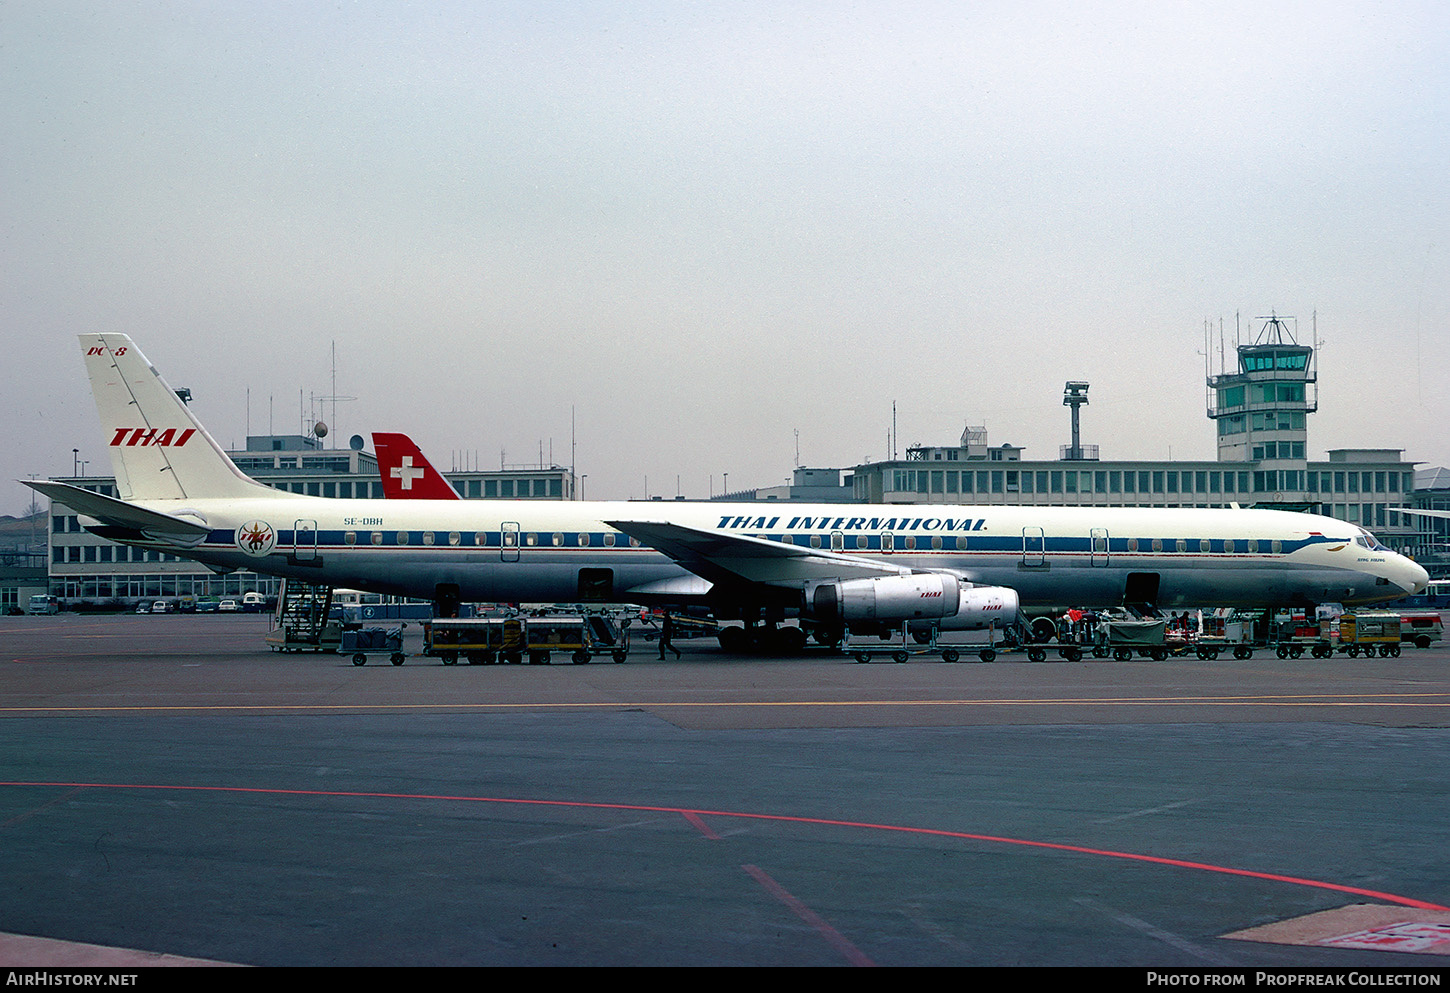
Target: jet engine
{"x": 919, "y": 597}
{"x": 982, "y": 607}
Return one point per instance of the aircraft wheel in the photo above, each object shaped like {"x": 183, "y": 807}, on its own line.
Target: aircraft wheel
{"x": 397, "y": 658}
{"x": 792, "y": 640}
{"x": 734, "y": 640}
{"x": 359, "y": 659}
{"x": 950, "y": 655}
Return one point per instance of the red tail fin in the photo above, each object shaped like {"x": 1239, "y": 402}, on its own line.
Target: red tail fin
{"x": 407, "y": 475}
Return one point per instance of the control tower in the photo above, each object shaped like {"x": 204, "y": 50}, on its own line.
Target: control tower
{"x": 1261, "y": 408}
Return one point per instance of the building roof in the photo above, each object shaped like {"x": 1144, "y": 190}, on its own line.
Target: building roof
{"x": 1432, "y": 478}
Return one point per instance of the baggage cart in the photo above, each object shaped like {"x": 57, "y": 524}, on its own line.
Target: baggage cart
{"x": 492, "y": 640}
{"x": 1223, "y": 631}
{"x": 1123, "y": 635}
{"x": 1368, "y": 632}
{"x": 358, "y": 642}
{"x": 1293, "y": 634}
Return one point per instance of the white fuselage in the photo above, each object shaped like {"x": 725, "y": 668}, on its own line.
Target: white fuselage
{"x": 539, "y": 551}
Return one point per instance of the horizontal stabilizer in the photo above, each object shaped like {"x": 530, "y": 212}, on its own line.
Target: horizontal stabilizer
{"x": 119, "y": 513}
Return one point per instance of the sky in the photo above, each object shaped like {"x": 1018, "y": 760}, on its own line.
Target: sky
{"x": 668, "y": 241}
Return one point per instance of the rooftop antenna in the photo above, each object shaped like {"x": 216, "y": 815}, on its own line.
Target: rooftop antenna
{"x": 334, "y": 398}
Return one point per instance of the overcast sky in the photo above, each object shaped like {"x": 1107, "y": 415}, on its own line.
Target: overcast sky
{"x": 680, "y": 236}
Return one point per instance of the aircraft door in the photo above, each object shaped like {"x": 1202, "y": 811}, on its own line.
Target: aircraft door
{"x": 304, "y": 541}
{"x": 1034, "y": 547}
{"x": 1099, "y": 544}
{"x": 509, "y": 541}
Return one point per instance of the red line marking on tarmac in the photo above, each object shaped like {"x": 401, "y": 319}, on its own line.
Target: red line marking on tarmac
{"x": 833, "y": 937}
{"x": 699, "y": 825}
{"x": 1403, "y": 901}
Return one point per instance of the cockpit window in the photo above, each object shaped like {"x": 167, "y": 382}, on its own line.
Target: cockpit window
{"x": 1367, "y": 540}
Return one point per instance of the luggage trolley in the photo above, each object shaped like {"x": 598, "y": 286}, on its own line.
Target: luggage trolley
{"x": 1125, "y": 634}
{"x": 478, "y": 640}
{"x": 1370, "y": 631}
{"x": 358, "y": 642}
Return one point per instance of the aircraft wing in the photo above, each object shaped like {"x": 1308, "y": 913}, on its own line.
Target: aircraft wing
{"x": 1442, "y": 514}
{"x": 120, "y": 514}
{"x": 730, "y": 559}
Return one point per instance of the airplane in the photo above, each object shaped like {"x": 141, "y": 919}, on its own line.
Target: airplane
{"x": 406, "y": 473}
{"x": 832, "y": 566}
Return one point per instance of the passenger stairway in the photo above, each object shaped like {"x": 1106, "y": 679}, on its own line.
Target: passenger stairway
{"x": 300, "y": 623}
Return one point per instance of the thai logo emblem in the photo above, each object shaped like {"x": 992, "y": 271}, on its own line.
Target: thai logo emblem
{"x": 256, "y": 537}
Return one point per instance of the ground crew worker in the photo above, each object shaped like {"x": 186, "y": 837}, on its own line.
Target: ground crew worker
{"x": 667, "y": 632}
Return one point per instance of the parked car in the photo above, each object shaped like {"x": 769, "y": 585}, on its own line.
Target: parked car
{"x": 161, "y": 607}
{"x": 228, "y": 606}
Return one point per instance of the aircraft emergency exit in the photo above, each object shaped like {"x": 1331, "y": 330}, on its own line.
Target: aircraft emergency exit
{"x": 832, "y": 565}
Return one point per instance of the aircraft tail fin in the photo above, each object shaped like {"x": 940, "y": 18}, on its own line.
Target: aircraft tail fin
{"x": 159, "y": 451}
{"x": 407, "y": 475}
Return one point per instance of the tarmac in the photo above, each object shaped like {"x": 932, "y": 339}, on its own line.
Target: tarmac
{"x": 171, "y": 792}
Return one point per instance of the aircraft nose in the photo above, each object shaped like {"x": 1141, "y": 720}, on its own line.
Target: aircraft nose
{"x": 1417, "y": 577}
